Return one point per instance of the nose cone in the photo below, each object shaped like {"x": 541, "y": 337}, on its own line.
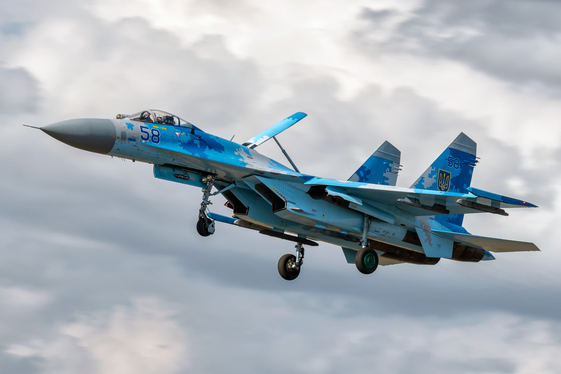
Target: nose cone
{"x": 90, "y": 134}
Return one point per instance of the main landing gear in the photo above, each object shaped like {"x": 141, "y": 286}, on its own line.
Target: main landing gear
{"x": 205, "y": 225}
{"x": 366, "y": 259}
{"x": 289, "y": 265}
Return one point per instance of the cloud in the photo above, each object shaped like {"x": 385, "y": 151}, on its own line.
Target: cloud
{"x": 20, "y": 91}
{"x": 141, "y": 338}
{"x": 515, "y": 41}
{"x": 83, "y": 234}
{"x": 20, "y": 299}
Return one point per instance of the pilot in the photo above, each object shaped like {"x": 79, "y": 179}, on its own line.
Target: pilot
{"x": 168, "y": 120}
{"x": 159, "y": 119}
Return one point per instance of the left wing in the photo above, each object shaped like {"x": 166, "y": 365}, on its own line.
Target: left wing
{"x": 276, "y": 129}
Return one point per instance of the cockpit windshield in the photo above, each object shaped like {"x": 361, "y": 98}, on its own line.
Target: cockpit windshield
{"x": 158, "y": 117}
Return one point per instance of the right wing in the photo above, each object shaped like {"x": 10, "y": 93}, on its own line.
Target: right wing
{"x": 276, "y": 129}
{"x": 418, "y": 202}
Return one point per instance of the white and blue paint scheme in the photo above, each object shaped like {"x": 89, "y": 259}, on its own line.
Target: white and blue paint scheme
{"x": 374, "y": 221}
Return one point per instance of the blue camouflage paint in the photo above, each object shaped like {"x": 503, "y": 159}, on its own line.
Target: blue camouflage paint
{"x": 381, "y": 167}
{"x": 200, "y": 145}
{"x": 374, "y": 170}
{"x": 459, "y": 175}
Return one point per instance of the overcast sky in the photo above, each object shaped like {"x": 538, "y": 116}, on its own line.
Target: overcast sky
{"x": 101, "y": 268}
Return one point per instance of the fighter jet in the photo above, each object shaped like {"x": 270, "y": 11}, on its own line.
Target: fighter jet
{"x": 368, "y": 216}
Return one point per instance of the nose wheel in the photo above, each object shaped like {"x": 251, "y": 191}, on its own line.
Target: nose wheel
{"x": 289, "y": 265}
{"x": 205, "y": 225}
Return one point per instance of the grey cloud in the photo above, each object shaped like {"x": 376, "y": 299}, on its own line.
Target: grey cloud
{"x": 20, "y": 91}
{"x": 23, "y": 365}
{"x": 92, "y": 232}
{"x": 428, "y": 362}
{"x": 128, "y": 65}
{"x": 515, "y": 41}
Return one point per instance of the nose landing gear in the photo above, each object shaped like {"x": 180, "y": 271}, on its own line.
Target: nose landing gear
{"x": 205, "y": 225}
{"x": 289, "y": 265}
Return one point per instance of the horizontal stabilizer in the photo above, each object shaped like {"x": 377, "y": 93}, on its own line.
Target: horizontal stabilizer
{"x": 489, "y": 244}
{"x": 274, "y": 130}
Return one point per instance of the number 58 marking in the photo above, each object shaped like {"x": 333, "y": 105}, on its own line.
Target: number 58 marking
{"x": 153, "y": 135}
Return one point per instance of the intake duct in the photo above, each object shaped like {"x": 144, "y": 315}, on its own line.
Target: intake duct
{"x": 277, "y": 203}
{"x": 239, "y": 207}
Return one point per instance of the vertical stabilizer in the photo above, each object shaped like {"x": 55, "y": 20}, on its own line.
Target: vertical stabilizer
{"x": 452, "y": 171}
{"x": 380, "y": 168}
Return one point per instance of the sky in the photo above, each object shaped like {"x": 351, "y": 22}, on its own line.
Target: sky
{"x": 101, "y": 268}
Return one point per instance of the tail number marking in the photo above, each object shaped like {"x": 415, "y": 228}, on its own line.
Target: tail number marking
{"x": 453, "y": 162}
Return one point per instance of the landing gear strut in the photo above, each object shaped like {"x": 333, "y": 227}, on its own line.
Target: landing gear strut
{"x": 366, "y": 260}
{"x": 205, "y": 225}
{"x": 289, "y": 265}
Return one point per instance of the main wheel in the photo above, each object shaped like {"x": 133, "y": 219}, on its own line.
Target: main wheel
{"x": 285, "y": 267}
{"x": 366, "y": 260}
{"x": 203, "y": 227}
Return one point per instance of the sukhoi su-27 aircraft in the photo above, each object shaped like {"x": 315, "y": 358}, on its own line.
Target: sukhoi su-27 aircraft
{"x": 371, "y": 219}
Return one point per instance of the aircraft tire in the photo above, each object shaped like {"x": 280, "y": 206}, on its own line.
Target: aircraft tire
{"x": 366, "y": 260}
{"x": 285, "y": 271}
{"x": 202, "y": 227}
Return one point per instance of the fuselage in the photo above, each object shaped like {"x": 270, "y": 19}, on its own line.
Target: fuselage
{"x": 267, "y": 193}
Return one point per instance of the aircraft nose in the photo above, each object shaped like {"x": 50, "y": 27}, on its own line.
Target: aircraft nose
{"x": 90, "y": 134}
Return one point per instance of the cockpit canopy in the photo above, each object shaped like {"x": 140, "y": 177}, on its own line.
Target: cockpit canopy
{"x": 159, "y": 117}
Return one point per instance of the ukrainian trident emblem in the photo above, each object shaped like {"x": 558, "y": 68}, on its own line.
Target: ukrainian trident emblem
{"x": 443, "y": 181}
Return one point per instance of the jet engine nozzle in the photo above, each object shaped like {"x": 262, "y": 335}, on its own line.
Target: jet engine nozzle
{"x": 90, "y": 134}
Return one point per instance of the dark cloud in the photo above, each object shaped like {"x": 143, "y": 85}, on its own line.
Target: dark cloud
{"x": 515, "y": 41}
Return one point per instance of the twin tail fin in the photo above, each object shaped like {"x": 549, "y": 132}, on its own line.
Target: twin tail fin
{"x": 380, "y": 168}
